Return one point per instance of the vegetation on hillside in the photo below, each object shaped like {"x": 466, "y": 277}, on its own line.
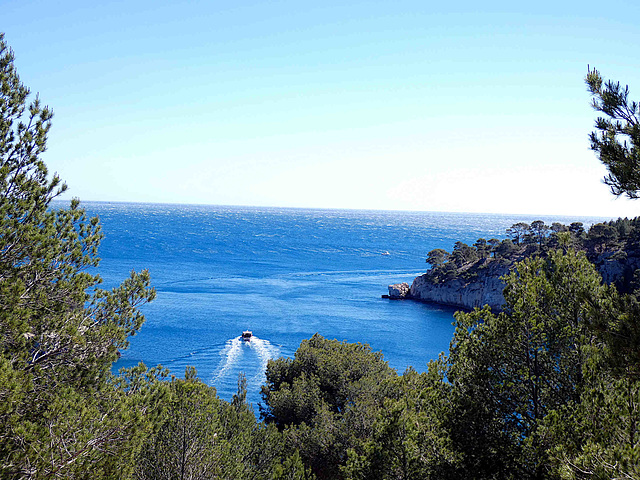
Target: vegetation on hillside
{"x": 547, "y": 388}
{"x": 614, "y": 240}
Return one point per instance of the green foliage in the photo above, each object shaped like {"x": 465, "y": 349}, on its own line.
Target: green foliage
{"x": 62, "y": 412}
{"x": 292, "y": 468}
{"x": 409, "y": 438}
{"x": 326, "y": 399}
{"x": 617, "y": 137}
{"x": 197, "y": 435}
{"x": 506, "y": 249}
{"x": 601, "y": 236}
{"x": 186, "y": 445}
{"x": 463, "y": 254}
{"x": 437, "y": 257}
{"x": 598, "y": 436}
{"x": 483, "y": 248}
{"x": 577, "y": 228}
{"x": 518, "y": 231}
{"x": 325, "y": 374}
{"x": 539, "y": 231}
{"x": 508, "y": 371}
{"x": 557, "y": 227}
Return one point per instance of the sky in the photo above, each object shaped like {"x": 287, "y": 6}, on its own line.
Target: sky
{"x": 408, "y": 105}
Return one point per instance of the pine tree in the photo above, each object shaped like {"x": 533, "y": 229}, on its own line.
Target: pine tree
{"x": 61, "y": 411}
{"x": 508, "y": 371}
{"x": 617, "y": 141}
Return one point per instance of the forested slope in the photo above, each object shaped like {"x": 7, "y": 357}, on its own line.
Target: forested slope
{"x": 471, "y": 275}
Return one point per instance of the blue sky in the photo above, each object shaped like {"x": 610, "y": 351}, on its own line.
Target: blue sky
{"x": 454, "y": 106}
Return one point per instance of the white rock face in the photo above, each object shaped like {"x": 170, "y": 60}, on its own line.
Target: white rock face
{"x": 483, "y": 290}
{"x": 399, "y": 290}
{"x": 487, "y": 287}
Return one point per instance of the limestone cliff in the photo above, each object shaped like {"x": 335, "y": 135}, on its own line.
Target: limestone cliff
{"x": 485, "y": 286}
{"x": 484, "y": 289}
{"x": 470, "y": 276}
{"x": 618, "y": 267}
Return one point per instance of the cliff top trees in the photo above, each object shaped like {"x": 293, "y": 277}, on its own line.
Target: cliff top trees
{"x": 617, "y": 139}
{"x": 437, "y": 257}
{"x": 518, "y": 231}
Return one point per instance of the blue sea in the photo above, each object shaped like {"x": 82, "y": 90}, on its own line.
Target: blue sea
{"x": 285, "y": 274}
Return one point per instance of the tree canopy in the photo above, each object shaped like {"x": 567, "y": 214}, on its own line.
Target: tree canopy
{"x": 60, "y": 333}
{"x": 617, "y": 137}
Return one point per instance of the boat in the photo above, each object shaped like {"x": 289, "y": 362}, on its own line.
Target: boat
{"x": 246, "y": 335}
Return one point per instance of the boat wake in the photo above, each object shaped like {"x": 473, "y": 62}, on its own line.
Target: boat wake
{"x": 230, "y": 353}
{"x": 266, "y": 351}
{"x": 247, "y": 357}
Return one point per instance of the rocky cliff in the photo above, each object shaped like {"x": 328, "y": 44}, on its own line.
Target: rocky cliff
{"x": 485, "y": 288}
{"x": 619, "y": 268}
{"x": 470, "y": 276}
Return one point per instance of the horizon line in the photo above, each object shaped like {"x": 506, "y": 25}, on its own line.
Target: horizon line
{"x": 352, "y": 209}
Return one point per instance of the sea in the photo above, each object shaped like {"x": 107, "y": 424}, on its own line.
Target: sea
{"x": 285, "y": 274}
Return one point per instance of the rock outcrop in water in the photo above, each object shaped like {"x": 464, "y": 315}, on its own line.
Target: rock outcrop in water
{"x": 470, "y": 277}
{"x": 398, "y": 291}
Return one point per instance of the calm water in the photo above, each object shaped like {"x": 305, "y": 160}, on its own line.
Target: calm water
{"x": 285, "y": 274}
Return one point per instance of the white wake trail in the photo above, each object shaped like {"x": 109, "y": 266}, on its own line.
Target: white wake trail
{"x": 265, "y": 351}
{"x": 230, "y": 354}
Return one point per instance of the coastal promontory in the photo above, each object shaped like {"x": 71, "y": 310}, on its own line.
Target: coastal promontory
{"x": 471, "y": 276}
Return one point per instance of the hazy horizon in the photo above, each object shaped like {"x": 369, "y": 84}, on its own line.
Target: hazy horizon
{"x": 532, "y": 216}
{"x": 370, "y": 105}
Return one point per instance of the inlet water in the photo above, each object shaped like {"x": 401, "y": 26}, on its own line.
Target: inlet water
{"x": 285, "y": 274}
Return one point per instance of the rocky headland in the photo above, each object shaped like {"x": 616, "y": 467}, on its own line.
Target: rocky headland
{"x": 471, "y": 276}
{"x": 458, "y": 292}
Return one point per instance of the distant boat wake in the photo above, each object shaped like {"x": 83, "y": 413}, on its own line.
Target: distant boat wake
{"x": 250, "y": 358}
{"x": 229, "y": 354}
{"x": 266, "y": 351}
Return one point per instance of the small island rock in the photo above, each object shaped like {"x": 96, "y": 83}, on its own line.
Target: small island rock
{"x": 399, "y": 291}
